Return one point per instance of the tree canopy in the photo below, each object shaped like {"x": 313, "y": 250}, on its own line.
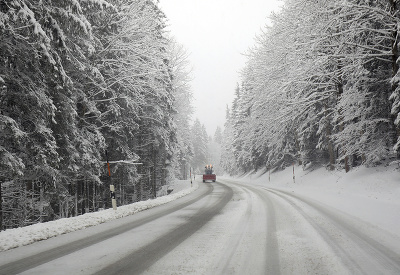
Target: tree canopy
{"x": 79, "y": 79}
{"x": 320, "y": 86}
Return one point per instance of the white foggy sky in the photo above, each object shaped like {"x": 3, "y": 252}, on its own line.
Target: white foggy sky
{"x": 216, "y": 33}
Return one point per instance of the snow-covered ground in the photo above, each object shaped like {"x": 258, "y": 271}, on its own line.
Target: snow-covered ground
{"x": 370, "y": 194}
{"x": 12, "y": 238}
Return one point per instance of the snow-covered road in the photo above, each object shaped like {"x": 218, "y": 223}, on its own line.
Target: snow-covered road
{"x": 228, "y": 227}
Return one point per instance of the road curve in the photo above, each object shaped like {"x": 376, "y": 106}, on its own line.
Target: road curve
{"x": 140, "y": 260}
{"x": 307, "y": 236}
{"x": 240, "y": 240}
{"x": 359, "y": 247}
{"x": 225, "y": 227}
{"x": 21, "y": 259}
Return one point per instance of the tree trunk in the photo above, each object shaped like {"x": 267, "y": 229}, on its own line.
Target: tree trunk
{"x": 331, "y": 155}
{"x": 395, "y": 69}
{"x": 1, "y": 209}
{"x": 331, "y": 152}
{"x": 41, "y": 201}
{"x": 395, "y": 50}
{"x": 94, "y": 197}
{"x": 76, "y": 199}
{"x": 154, "y": 172}
{"x": 346, "y": 164}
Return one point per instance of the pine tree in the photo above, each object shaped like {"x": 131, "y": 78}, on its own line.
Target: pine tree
{"x": 228, "y": 160}
{"x": 37, "y": 85}
{"x": 218, "y": 135}
{"x": 199, "y": 141}
{"x": 315, "y": 87}
{"x": 180, "y": 71}
{"x": 78, "y": 78}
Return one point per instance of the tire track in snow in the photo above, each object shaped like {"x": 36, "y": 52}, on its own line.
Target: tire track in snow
{"x": 272, "y": 262}
{"x": 231, "y": 248}
{"x": 273, "y": 265}
{"x": 138, "y": 261}
{"x": 358, "y": 251}
{"x": 20, "y": 265}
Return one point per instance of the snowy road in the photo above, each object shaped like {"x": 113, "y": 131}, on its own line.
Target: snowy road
{"x": 222, "y": 228}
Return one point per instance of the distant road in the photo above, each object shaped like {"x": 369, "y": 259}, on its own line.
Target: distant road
{"x": 224, "y": 227}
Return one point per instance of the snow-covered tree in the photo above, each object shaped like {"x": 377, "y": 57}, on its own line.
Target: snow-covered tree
{"x": 218, "y": 135}
{"x": 181, "y": 77}
{"x": 228, "y": 160}
{"x": 39, "y": 53}
{"x": 199, "y": 141}
{"x": 315, "y": 86}
{"x": 77, "y": 79}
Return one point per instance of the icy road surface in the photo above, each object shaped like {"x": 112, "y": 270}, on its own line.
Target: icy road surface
{"x": 225, "y": 227}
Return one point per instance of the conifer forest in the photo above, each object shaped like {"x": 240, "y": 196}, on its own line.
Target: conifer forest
{"x": 320, "y": 86}
{"x": 83, "y": 82}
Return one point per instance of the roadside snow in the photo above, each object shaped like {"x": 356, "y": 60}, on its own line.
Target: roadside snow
{"x": 12, "y": 238}
{"x": 369, "y": 194}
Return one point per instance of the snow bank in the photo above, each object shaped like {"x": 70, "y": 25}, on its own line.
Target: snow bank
{"x": 369, "y": 194}
{"x": 12, "y": 238}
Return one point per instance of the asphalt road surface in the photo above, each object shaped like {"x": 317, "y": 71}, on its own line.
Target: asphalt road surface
{"x": 224, "y": 227}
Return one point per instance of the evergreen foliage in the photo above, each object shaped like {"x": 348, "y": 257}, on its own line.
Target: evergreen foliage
{"x": 200, "y": 149}
{"x": 79, "y": 79}
{"x": 321, "y": 85}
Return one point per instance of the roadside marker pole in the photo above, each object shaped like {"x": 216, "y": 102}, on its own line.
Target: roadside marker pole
{"x": 113, "y": 201}
{"x": 112, "y": 188}
{"x": 294, "y": 181}
{"x": 269, "y": 174}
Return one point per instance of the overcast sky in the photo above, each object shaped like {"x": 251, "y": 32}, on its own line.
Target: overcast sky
{"x": 216, "y": 33}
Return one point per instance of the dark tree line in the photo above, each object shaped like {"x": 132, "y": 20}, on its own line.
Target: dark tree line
{"x": 77, "y": 79}
{"x": 321, "y": 85}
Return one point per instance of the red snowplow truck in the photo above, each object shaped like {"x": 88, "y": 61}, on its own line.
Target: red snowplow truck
{"x": 208, "y": 174}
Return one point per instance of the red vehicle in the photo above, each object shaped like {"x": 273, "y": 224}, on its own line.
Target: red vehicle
{"x": 208, "y": 174}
